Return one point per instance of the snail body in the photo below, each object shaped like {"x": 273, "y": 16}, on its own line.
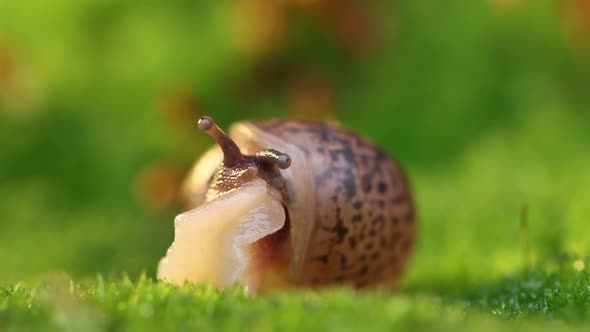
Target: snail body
{"x": 341, "y": 209}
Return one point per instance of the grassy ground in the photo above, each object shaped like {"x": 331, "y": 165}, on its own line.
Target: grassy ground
{"x": 555, "y": 300}
{"x": 485, "y": 106}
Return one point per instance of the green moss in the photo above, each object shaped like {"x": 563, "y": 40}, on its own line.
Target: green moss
{"x": 541, "y": 300}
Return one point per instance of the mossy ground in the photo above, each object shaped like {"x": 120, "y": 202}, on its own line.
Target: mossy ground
{"x": 554, "y": 300}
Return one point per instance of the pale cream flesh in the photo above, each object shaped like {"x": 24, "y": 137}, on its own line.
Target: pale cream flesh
{"x": 215, "y": 241}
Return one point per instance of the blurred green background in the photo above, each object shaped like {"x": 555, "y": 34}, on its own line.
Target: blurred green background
{"x": 484, "y": 103}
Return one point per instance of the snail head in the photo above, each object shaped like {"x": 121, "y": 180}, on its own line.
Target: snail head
{"x": 237, "y": 168}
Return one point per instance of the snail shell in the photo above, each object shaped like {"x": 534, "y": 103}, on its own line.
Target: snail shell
{"x": 349, "y": 213}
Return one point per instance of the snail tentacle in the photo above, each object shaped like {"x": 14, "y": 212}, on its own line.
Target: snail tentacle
{"x": 238, "y": 168}
{"x": 280, "y": 159}
{"x": 232, "y": 156}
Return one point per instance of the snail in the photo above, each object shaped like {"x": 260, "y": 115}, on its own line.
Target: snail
{"x": 292, "y": 203}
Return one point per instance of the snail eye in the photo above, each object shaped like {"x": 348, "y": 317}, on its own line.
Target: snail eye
{"x": 284, "y": 161}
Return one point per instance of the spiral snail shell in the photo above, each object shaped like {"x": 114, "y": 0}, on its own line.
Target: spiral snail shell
{"x": 292, "y": 203}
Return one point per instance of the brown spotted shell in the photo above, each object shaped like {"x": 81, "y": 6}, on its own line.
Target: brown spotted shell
{"x": 351, "y": 215}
